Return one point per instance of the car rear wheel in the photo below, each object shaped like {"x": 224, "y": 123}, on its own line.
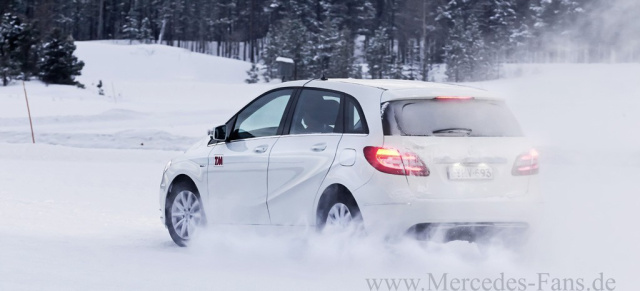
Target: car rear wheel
{"x": 184, "y": 214}
{"x": 341, "y": 215}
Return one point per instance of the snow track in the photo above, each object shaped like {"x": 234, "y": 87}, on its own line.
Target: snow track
{"x": 79, "y": 210}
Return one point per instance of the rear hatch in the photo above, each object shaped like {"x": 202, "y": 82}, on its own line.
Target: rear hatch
{"x": 470, "y": 146}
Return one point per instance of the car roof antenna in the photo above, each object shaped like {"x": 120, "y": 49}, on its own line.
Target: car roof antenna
{"x": 323, "y": 78}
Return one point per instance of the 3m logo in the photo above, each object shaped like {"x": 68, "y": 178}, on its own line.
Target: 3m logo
{"x": 217, "y": 161}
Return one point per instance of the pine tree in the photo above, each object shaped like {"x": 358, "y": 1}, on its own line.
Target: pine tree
{"x": 414, "y": 65}
{"x": 465, "y": 54}
{"x": 327, "y": 44}
{"x": 558, "y": 15}
{"x": 288, "y": 39}
{"x": 145, "y": 35}
{"x": 377, "y": 54}
{"x": 342, "y": 61}
{"x": 164, "y": 16}
{"x": 131, "y": 28}
{"x": 253, "y": 74}
{"x": 396, "y": 71}
{"x": 28, "y": 54}
{"x": 499, "y": 32}
{"x": 58, "y": 64}
{"x": 362, "y": 14}
{"x": 10, "y": 31}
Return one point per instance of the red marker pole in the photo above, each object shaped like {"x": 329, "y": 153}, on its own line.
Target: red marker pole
{"x": 33, "y": 138}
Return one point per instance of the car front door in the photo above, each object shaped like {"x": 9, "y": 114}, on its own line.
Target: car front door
{"x": 300, "y": 160}
{"x": 238, "y": 168}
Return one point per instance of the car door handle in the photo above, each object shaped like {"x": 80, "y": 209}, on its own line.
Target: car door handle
{"x": 319, "y": 147}
{"x": 261, "y": 149}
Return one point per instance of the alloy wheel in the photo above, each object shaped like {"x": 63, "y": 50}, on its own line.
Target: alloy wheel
{"x": 339, "y": 215}
{"x": 186, "y": 214}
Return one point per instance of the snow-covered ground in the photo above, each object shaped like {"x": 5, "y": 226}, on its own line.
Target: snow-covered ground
{"x": 159, "y": 96}
{"x": 78, "y": 210}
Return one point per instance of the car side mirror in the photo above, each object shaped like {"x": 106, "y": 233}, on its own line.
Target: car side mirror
{"x": 219, "y": 133}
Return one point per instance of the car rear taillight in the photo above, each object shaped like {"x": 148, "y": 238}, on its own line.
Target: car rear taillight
{"x": 392, "y": 161}
{"x": 526, "y": 164}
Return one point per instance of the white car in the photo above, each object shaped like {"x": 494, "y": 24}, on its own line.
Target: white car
{"x": 389, "y": 155}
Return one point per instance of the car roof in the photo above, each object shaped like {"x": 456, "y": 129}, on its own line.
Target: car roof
{"x": 409, "y": 89}
{"x": 398, "y": 89}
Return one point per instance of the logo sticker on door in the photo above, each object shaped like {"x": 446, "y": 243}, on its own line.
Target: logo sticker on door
{"x": 217, "y": 161}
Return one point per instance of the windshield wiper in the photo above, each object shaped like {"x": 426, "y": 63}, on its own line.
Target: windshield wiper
{"x": 453, "y": 132}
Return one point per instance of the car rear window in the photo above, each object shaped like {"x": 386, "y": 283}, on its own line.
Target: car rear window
{"x": 434, "y": 117}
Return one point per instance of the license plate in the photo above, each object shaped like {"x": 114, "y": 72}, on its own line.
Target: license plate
{"x": 470, "y": 172}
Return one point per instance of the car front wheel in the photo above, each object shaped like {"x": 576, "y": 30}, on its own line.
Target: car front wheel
{"x": 184, "y": 214}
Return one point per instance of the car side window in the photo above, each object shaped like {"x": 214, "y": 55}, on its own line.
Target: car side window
{"x": 263, "y": 116}
{"x": 317, "y": 111}
{"x": 354, "y": 119}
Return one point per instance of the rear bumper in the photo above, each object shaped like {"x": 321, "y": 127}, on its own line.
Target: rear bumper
{"x": 389, "y": 205}
{"x": 479, "y": 214}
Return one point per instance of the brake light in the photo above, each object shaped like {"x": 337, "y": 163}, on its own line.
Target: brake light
{"x": 526, "y": 164}
{"x": 392, "y": 161}
{"x": 454, "y": 98}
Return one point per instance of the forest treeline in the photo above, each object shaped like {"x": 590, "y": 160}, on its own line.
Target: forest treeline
{"x": 404, "y": 39}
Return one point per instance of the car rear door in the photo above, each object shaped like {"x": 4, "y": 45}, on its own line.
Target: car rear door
{"x": 238, "y": 168}
{"x": 300, "y": 160}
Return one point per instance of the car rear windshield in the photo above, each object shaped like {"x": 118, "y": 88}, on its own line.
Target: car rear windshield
{"x": 437, "y": 117}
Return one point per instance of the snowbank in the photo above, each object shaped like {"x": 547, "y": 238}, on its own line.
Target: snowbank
{"x": 155, "y": 63}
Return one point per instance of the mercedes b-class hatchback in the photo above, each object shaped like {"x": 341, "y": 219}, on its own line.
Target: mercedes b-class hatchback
{"x": 386, "y": 155}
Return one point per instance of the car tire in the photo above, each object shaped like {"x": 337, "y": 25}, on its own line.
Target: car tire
{"x": 341, "y": 213}
{"x": 184, "y": 213}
